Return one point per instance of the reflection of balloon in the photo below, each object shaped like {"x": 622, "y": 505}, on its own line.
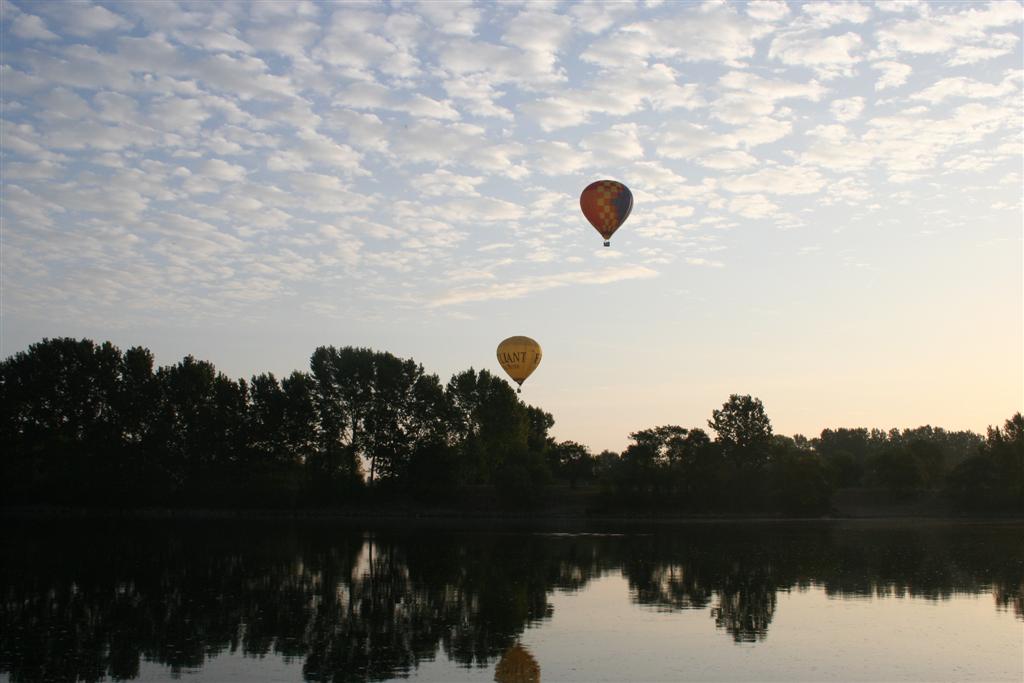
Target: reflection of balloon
{"x": 517, "y": 665}
{"x": 606, "y": 204}
{"x": 519, "y": 356}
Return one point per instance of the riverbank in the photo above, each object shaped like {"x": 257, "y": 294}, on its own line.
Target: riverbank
{"x": 447, "y": 518}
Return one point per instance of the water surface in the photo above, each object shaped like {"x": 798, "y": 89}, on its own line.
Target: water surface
{"x": 254, "y": 600}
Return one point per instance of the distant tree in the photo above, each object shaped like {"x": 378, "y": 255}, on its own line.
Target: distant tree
{"x": 537, "y": 437}
{"x": 743, "y": 431}
{"x": 488, "y": 422}
{"x": 405, "y": 408}
{"x": 60, "y": 421}
{"x": 699, "y": 465}
{"x": 201, "y": 425}
{"x": 845, "y": 451}
{"x": 572, "y": 462}
{"x": 299, "y": 423}
{"x": 896, "y": 470}
{"x": 930, "y": 458}
{"x": 339, "y": 380}
{"x": 974, "y": 484}
{"x": 744, "y": 438}
{"x": 993, "y": 480}
{"x": 605, "y": 463}
{"x": 799, "y": 480}
{"x": 265, "y": 429}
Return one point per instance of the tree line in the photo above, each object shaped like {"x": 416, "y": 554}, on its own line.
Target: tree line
{"x": 87, "y": 424}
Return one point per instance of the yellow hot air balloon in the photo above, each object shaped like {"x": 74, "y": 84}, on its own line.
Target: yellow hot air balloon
{"x": 519, "y": 356}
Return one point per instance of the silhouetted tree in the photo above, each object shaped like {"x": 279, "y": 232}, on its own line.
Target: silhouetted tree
{"x": 744, "y": 436}
{"x": 799, "y": 479}
{"x": 993, "y": 480}
{"x": 200, "y": 422}
{"x": 571, "y": 462}
{"x": 340, "y": 395}
{"x": 83, "y": 423}
{"x": 743, "y": 431}
{"x": 493, "y": 433}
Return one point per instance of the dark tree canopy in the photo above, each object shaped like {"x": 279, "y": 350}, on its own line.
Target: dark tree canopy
{"x": 87, "y": 424}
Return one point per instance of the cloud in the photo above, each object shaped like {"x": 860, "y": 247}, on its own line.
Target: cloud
{"x": 847, "y": 109}
{"x": 961, "y": 87}
{"x": 442, "y": 182}
{"x": 364, "y": 131}
{"x": 474, "y": 209}
{"x": 523, "y": 287}
{"x": 910, "y": 143}
{"x": 538, "y": 30}
{"x": 777, "y": 180}
{"x": 499, "y": 63}
{"x": 943, "y": 32}
{"x": 767, "y": 10}
{"x": 829, "y": 56}
{"x": 554, "y": 157}
{"x": 30, "y": 27}
{"x": 894, "y": 74}
{"x": 366, "y": 95}
{"x": 428, "y": 141}
{"x": 450, "y": 17}
{"x": 619, "y": 142}
{"x": 824, "y": 14}
{"x": 685, "y": 140}
{"x": 728, "y": 161}
{"x": 594, "y": 16}
{"x": 769, "y": 89}
{"x": 357, "y": 42}
{"x": 707, "y": 32}
{"x": 996, "y": 46}
{"x": 478, "y": 94}
{"x": 834, "y": 148}
{"x": 752, "y": 206}
{"x": 86, "y": 19}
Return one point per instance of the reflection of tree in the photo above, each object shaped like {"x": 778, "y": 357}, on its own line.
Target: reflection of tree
{"x": 739, "y": 584}
{"x": 85, "y": 603}
{"x": 738, "y": 569}
{"x": 746, "y": 604}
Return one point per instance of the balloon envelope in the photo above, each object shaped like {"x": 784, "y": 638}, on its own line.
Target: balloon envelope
{"x": 519, "y": 356}
{"x": 606, "y": 204}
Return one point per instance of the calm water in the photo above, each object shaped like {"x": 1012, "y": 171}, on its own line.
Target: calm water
{"x": 321, "y": 601}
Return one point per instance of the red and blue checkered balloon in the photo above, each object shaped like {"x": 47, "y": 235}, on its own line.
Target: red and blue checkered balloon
{"x": 606, "y": 204}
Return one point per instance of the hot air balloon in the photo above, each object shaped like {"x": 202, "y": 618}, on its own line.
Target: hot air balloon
{"x": 519, "y": 356}
{"x": 606, "y": 204}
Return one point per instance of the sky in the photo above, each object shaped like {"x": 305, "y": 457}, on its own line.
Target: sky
{"x": 827, "y": 197}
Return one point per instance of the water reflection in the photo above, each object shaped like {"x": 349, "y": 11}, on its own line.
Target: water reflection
{"x": 517, "y": 665}
{"x": 86, "y": 602}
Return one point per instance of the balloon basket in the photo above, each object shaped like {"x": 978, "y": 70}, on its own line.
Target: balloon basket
{"x": 607, "y": 244}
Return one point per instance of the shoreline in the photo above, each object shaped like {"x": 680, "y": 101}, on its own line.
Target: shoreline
{"x": 469, "y": 518}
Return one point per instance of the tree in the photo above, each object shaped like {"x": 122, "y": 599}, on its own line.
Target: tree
{"x": 338, "y": 395}
{"x": 497, "y": 437}
{"x": 743, "y": 430}
{"x": 896, "y": 470}
{"x": 201, "y": 425}
{"x": 744, "y": 438}
{"x": 799, "y": 480}
{"x": 572, "y": 462}
{"x": 299, "y": 424}
{"x": 488, "y": 423}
